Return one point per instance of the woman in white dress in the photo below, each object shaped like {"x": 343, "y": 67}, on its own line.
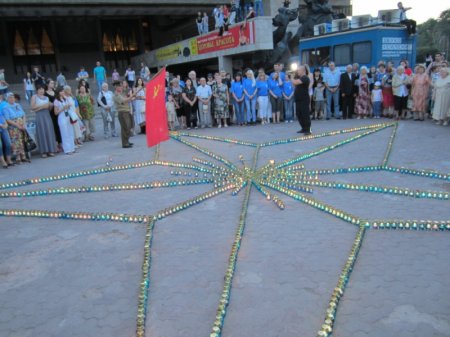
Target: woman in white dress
{"x": 441, "y": 95}
{"x": 74, "y": 114}
{"x": 139, "y": 104}
{"x": 62, "y": 111}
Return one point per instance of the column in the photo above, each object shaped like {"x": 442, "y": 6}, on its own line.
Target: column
{"x": 226, "y": 63}
{"x": 54, "y": 39}
{"x": 101, "y": 53}
{"x": 9, "y": 60}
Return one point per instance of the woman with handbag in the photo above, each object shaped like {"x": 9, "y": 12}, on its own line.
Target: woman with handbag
{"x": 5, "y": 142}
{"x": 74, "y": 115}
{"x": 190, "y": 104}
{"x": 45, "y": 133}
{"x": 15, "y": 117}
{"x": 62, "y": 111}
{"x": 105, "y": 101}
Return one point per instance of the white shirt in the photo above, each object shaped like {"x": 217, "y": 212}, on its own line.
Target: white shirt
{"x": 203, "y": 91}
{"x": 131, "y": 75}
{"x": 109, "y": 99}
{"x": 377, "y": 95}
{"x": 28, "y": 84}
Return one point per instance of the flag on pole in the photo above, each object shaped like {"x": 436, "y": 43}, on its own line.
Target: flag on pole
{"x": 155, "y": 109}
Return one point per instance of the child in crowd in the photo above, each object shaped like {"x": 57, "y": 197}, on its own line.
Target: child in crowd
{"x": 171, "y": 105}
{"x": 319, "y": 100}
{"x": 377, "y": 100}
{"x": 199, "y": 22}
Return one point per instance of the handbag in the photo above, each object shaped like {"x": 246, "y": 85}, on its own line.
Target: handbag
{"x": 28, "y": 142}
{"x": 103, "y": 100}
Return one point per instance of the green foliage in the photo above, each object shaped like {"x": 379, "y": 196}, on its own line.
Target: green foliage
{"x": 433, "y": 36}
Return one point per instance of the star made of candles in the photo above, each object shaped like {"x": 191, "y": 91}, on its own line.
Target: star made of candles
{"x": 289, "y": 178}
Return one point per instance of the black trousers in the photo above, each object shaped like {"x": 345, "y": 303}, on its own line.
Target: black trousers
{"x": 191, "y": 114}
{"x": 348, "y": 105}
{"x": 410, "y": 26}
{"x": 303, "y": 112}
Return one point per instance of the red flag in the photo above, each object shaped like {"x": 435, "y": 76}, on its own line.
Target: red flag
{"x": 155, "y": 110}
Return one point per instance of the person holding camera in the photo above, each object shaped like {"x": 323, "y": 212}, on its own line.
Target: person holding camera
{"x": 302, "y": 99}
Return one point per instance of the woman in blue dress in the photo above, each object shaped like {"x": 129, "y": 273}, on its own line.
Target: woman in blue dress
{"x": 15, "y": 117}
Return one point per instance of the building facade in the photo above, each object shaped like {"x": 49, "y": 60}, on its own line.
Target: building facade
{"x": 65, "y": 35}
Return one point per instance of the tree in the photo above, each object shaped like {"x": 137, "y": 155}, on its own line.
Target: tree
{"x": 434, "y": 36}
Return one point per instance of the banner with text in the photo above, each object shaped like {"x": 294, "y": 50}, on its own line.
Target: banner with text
{"x": 239, "y": 35}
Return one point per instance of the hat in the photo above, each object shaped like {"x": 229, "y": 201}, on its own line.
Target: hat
{"x": 210, "y": 75}
{"x": 377, "y": 83}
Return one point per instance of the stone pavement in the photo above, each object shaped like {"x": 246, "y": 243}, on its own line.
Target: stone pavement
{"x": 62, "y": 277}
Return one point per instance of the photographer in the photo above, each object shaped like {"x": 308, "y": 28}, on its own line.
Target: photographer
{"x": 302, "y": 100}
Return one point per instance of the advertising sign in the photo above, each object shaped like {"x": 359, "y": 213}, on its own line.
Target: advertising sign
{"x": 239, "y": 35}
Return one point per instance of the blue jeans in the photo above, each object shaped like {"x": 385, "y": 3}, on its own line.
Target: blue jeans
{"x": 30, "y": 94}
{"x": 250, "y": 106}
{"x": 335, "y": 97}
{"x": 259, "y": 9}
{"x": 5, "y": 142}
{"x": 99, "y": 84}
{"x": 377, "y": 106}
{"x": 289, "y": 109}
{"x": 239, "y": 110}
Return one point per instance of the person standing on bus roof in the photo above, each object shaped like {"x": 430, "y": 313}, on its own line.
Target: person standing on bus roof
{"x": 332, "y": 78}
{"x": 410, "y": 24}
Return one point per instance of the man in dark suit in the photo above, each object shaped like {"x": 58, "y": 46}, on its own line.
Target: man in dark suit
{"x": 347, "y": 90}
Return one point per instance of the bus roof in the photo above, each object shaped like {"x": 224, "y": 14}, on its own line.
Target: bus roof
{"x": 355, "y": 30}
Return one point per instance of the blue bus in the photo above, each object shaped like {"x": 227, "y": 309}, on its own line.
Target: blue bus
{"x": 366, "y": 46}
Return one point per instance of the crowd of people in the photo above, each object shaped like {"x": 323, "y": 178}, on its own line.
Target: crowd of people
{"x": 359, "y": 92}
{"x": 229, "y": 14}
{"x": 64, "y": 116}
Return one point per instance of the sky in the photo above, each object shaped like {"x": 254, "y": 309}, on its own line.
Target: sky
{"x": 421, "y": 11}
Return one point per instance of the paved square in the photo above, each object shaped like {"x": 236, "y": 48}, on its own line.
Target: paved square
{"x": 240, "y": 241}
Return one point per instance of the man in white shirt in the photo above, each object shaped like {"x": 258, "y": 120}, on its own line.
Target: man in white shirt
{"x": 332, "y": 78}
{"x": 204, "y": 94}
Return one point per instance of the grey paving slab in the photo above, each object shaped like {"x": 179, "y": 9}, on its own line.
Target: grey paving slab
{"x": 190, "y": 253}
{"x": 68, "y": 278}
{"x": 422, "y": 146}
{"x": 289, "y": 264}
{"x": 399, "y": 287}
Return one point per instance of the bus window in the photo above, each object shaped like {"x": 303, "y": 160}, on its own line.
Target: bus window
{"x": 307, "y": 57}
{"x": 342, "y": 55}
{"x": 316, "y": 57}
{"x": 322, "y": 56}
{"x": 362, "y": 52}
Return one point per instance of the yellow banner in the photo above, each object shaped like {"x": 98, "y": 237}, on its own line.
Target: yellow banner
{"x": 170, "y": 52}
